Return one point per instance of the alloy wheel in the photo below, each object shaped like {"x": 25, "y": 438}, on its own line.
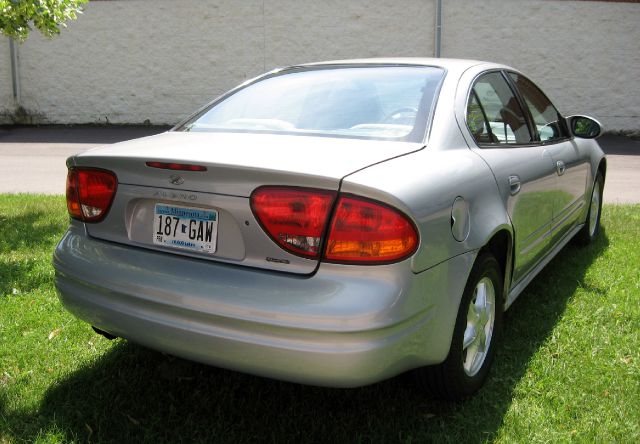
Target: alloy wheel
{"x": 479, "y": 329}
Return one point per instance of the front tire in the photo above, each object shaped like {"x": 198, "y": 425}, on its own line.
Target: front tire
{"x": 477, "y": 329}
{"x": 592, "y": 225}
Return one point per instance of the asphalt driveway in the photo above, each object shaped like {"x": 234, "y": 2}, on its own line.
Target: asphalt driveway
{"x": 32, "y": 159}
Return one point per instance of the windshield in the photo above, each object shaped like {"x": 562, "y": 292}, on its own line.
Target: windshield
{"x": 372, "y": 102}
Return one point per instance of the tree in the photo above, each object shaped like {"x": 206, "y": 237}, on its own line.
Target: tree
{"x": 17, "y": 16}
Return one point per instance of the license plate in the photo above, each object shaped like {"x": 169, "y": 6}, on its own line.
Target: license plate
{"x": 194, "y": 229}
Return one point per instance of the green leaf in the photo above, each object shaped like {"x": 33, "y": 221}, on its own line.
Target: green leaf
{"x": 19, "y": 17}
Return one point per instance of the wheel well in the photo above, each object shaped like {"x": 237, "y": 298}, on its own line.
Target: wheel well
{"x": 602, "y": 168}
{"x": 500, "y": 246}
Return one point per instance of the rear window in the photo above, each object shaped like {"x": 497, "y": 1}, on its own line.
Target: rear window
{"x": 381, "y": 102}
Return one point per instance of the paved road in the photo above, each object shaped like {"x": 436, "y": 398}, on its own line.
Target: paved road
{"x": 32, "y": 160}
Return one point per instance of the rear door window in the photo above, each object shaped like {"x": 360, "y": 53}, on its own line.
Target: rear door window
{"x": 504, "y": 122}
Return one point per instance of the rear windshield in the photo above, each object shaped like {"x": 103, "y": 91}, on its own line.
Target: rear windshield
{"x": 381, "y": 102}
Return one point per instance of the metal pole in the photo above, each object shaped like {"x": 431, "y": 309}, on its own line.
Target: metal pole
{"x": 438, "y": 43}
{"x": 15, "y": 73}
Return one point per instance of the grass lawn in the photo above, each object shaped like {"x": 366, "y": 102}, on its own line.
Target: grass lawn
{"x": 568, "y": 368}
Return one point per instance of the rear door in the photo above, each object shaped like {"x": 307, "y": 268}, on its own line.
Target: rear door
{"x": 524, "y": 170}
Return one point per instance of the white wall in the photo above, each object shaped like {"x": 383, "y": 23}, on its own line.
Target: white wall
{"x": 158, "y": 60}
{"x": 584, "y": 54}
{"x": 298, "y": 31}
{"x": 129, "y": 61}
{"x": 6, "y": 87}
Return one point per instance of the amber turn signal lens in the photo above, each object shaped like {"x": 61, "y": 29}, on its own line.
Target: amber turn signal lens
{"x": 366, "y": 231}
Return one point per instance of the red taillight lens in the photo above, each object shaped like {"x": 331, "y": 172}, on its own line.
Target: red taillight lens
{"x": 369, "y": 232}
{"x": 295, "y": 218}
{"x": 361, "y": 230}
{"x": 90, "y": 193}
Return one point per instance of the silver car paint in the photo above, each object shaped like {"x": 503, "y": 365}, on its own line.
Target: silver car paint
{"x": 239, "y": 163}
{"x": 342, "y": 325}
{"x": 573, "y": 184}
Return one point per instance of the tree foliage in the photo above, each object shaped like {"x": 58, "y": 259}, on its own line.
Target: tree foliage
{"x": 18, "y": 16}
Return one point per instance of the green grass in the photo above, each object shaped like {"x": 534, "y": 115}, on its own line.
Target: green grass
{"x": 567, "y": 370}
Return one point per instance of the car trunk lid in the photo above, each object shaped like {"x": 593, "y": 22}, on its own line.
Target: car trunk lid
{"x": 236, "y": 164}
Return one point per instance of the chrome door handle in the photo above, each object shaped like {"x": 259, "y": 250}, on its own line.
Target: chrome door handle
{"x": 560, "y": 167}
{"x": 514, "y": 185}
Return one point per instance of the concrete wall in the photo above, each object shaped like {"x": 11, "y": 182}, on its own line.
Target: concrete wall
{"x": 6, "y": 88}
{"x": 158, "y": 60}
{"x": 584, "y": 54}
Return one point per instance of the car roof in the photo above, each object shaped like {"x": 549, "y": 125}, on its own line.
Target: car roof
{"x": 450, "y": 64}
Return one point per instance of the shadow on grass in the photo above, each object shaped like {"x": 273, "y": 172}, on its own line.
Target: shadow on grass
{"x": 132, "y": 394}
{"x": 28, "y": 229}
{"x": 25, "y": 232}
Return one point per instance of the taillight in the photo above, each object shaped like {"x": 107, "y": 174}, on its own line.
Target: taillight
{"x": 366, "y": 231}
{"x": 360, "y": 231}
{"x": 295, "y": 218}
{"x": 90, "y": 193}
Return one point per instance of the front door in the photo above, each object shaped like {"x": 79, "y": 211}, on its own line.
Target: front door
{"x": 572, "y": 168}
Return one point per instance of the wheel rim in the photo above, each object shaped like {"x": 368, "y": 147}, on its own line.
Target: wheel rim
{"x": 594, "y": 209}
{"x": 479, "y": 330}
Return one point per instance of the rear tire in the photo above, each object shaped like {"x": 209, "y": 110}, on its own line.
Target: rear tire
{"x": 592, "y": 225}
{"x": 475, "y": 334}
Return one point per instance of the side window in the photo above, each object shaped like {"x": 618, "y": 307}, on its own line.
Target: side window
{"x": 477, "y": 123}
{"x": 545, "y": 116}
{"x": 494, "y": 101}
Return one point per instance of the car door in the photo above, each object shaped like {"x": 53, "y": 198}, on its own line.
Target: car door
{"x": 572, "y": 168}
{"x": 524, "y": 170}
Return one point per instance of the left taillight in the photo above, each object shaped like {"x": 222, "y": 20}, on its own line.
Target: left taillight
{"x": 90, "y": 193}
{"x": 295, "y": 218}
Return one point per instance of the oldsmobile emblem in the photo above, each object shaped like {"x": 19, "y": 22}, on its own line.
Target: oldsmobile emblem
{"x": 176, "y": 180}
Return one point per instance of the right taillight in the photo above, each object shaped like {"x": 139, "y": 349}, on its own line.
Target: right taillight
{"x": 90, "y": 193}
{"x": 366, "y": 231}
{"x": 360, "y": 230}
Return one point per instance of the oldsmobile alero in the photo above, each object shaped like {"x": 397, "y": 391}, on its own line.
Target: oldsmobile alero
{"x": 335, "y": 223}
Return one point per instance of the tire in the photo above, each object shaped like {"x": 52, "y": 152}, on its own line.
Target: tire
{"x": 466, "y": 367}
{"x": 592, "y": 225}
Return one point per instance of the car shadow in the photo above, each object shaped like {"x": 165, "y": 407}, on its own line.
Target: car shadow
{"x": 135, "y": 394}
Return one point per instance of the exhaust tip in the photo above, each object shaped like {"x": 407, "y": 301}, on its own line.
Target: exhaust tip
{"x": 107, "y": 335}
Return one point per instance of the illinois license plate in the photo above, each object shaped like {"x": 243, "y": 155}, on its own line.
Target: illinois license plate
{"x": 194, "y": 229}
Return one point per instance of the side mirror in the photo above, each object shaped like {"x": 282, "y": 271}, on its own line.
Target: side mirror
{"x": 584, "y": 127}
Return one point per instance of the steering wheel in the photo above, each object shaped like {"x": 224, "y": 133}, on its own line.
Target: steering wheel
{"x": 400, "y": 113}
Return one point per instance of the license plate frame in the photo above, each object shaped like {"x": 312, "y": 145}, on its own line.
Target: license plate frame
{"x": 185, "y": 228}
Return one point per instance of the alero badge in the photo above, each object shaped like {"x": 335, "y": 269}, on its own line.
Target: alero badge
{"x": 176, "y": 180}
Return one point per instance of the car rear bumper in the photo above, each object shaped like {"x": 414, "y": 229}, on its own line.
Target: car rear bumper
{"x": 336, "y": 328}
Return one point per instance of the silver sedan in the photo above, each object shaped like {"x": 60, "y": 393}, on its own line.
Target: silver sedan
{"x": 335, "y": 223}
